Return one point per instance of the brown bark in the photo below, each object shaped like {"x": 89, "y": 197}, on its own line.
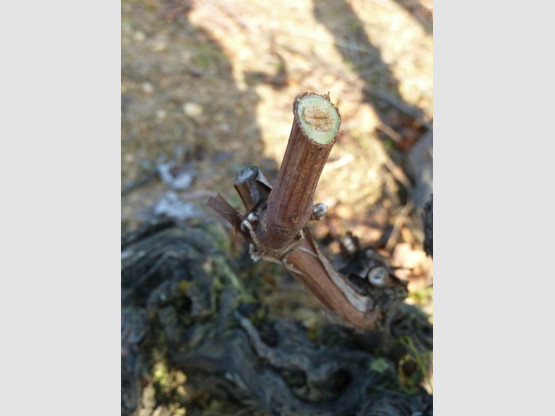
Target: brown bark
{"x": 311, "y": 270}
{"x": 290, "y": 202}
{"x": 277, "y": 219}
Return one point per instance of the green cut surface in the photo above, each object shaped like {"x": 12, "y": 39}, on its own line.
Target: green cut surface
{"x": 318, "y": 117}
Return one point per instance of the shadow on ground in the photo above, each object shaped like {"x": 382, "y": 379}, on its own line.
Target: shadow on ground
{"x": 180, "y": 106}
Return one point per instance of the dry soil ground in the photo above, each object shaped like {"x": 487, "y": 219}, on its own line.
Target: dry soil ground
{"x": 208, "y": 86}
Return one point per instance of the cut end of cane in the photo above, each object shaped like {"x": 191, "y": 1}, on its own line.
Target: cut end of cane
{"x": 318, "y": 117}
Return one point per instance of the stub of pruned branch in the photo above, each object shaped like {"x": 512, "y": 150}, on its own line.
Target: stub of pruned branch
{"x": 276, "y": 222}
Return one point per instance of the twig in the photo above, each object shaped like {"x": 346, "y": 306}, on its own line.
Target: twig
{"x": 276, "y": 223}
{"x": 398, "y": 173}
{"x": 415, "y": 113}
{"x": 384, "y": 128}
{"x": 339, "y": 163}
{"x": 397, "y": 225}
{"x": 197, "y": 194}
{"x": 315, "y": 126}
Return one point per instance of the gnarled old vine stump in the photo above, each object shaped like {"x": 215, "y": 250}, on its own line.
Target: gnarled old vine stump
{"x": 186, "y": 315}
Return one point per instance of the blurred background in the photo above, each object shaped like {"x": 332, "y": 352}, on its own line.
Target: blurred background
{"x": 207, "y": 88}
